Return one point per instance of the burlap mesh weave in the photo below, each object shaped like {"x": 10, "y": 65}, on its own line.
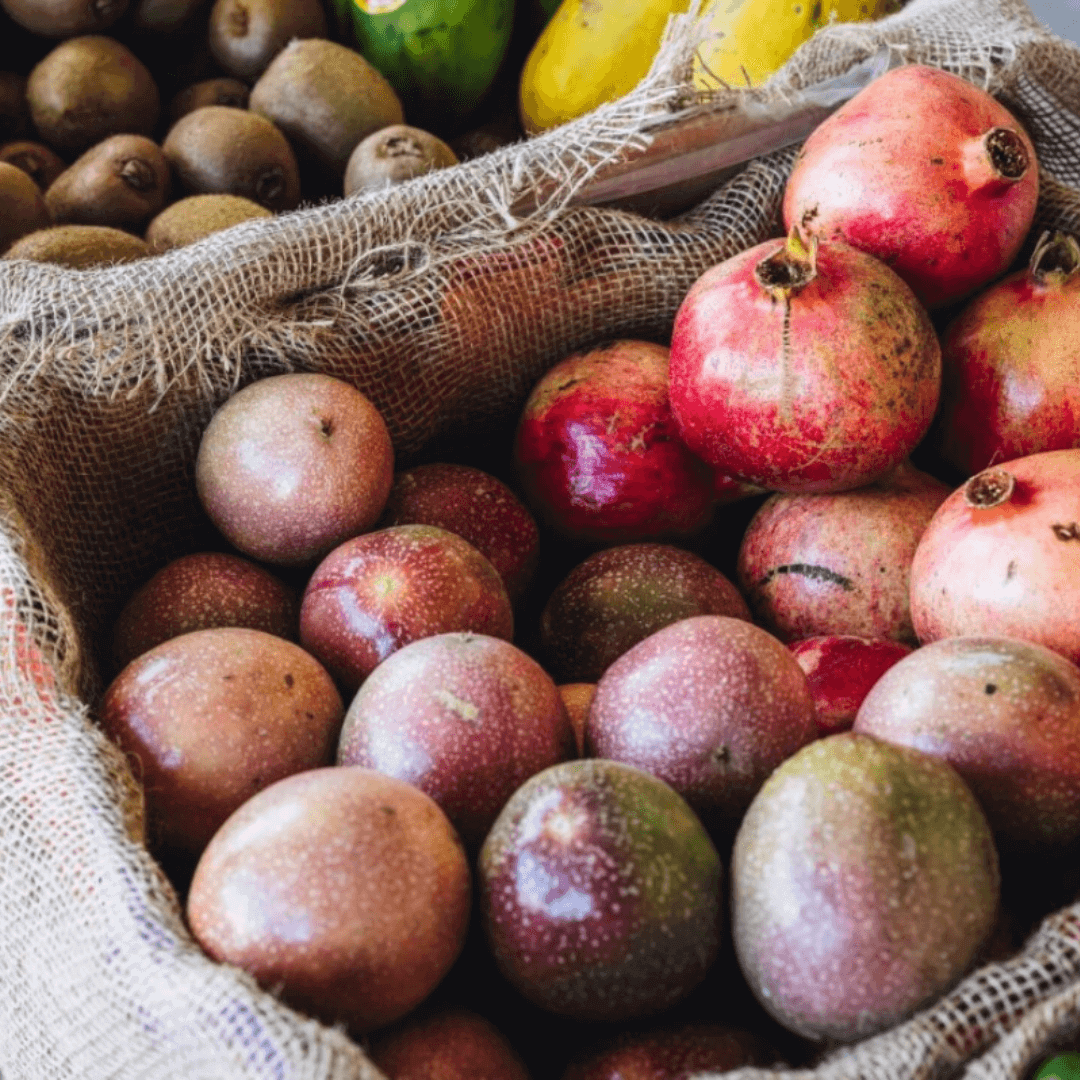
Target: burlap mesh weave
{"x": 443, "y": 308}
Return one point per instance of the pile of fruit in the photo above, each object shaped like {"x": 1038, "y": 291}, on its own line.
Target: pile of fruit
{"x": 132, "y": 127}
{"x": 723, "y": 714}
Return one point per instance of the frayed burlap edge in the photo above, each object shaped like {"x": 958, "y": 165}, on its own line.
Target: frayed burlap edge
{"x": 129, "y": 994}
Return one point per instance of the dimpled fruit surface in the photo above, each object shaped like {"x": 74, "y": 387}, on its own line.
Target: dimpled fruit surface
{"x": 600, "y": 892}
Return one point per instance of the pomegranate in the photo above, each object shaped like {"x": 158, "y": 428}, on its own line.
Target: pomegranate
{"x": 841, "y": 669}
{"x": 803, "y": 369}
{"x": 1002, "y": 556}
{"x": 598, "y": 453}
{"x": 1011, "y": 364}
{"x": 838, "y": 564}
{"x": 925, "y": 171}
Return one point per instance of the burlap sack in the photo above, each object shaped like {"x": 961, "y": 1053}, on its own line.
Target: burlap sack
{"x": 444, "y": 308}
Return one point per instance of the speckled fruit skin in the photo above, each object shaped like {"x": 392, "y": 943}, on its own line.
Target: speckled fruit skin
{"x": 669, "y": 1053}
{"x": 711, "y": 705}
{"x": 598, "y": 454}
{"x": 292, "y": 465}
{"x": 466, "y": 718}
{"x": 600, "y": 892}
{"x": 901, "y": 171}
{"x": 478, "y": 507}
{"x": 1005, "y": 714}
{"x": 380, "y": 591}
{"x": 864, "y": 881}
{"x": 821, "y": 387}
{"x": 201, "y": 591}
{"x": 841, "y": 669}
{"x": 346, "y": 891}
{"x": 838, "y": 564}
{"x": 1010, "y": 569}
{"x": 451, "y": 1044}
{"x": 619, "y": 596}
{"x": 211, "y": 717}
{"x": 1011, "y": 366}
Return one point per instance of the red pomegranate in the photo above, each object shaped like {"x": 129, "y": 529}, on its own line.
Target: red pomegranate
{"x": 927, "y": 172}
{"x": 841, "y": 670}
{"x": 803, "y": 369}
{"x": 1011, "y": 364}
{"x": 598, "y": 453}
{"x": 838, "y": 564}
{"x": 1001, "y": 556}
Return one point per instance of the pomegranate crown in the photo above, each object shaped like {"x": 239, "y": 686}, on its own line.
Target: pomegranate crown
{"x": 1056, "y": 258}
{"x": 790, "y": 268}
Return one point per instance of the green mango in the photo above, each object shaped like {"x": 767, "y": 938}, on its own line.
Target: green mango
{"x": 439, "y": 55}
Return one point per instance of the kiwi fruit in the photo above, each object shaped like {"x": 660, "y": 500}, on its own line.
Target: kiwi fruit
{"x": 35, "y": 159}
{"x": 79, "y": 247}
{"x": 123, "y": 182}
{"x": 393, "y": 155}
{"x": 245, "y": 35}
{"x": 223, "y": 90}
{"x": 64, "y": 18}
{"x": 197, "y": 216}
{"x": 87, "y": 89}
{"x": 325, "y": 98}
{"x": 218, "y": 149}
{"x": 14, "y": 109}
{"x": 22, "y": 206}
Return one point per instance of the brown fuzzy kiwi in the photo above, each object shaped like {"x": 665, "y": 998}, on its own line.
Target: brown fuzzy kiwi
{"x": 393, "y": 155}
{"x": 236, "y": 152}
{"x": 22, "y": 206}
{"x": 197, "y": 216}
{"x": 325, "y": 98}
{"x": 123, "y": 181}
{"x": 245, "y": 35}
{"x": 79, "y": 247}
{"x": 14, "y": 108}
{"x": 35, "y": 159}
{"x": 64, "y": 18}
{"x": 87, "y": 89}
{"x": 223, "y": 90}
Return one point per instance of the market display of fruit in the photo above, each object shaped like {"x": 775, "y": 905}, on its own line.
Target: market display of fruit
{"x": 715, "y": 716}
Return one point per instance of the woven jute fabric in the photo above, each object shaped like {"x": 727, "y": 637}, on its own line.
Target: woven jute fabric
{"x": 444, "y": 307}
